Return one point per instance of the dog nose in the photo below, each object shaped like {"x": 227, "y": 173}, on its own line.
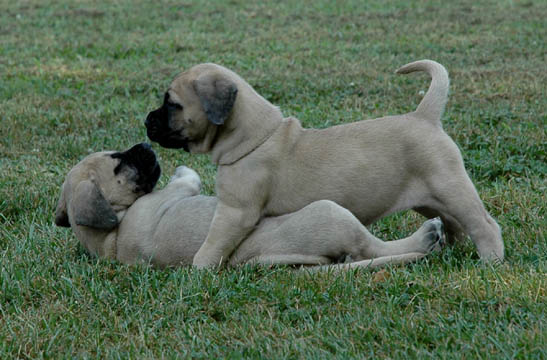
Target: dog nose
{"x": 151, "y": 126}
{"x": 148, "y": 120}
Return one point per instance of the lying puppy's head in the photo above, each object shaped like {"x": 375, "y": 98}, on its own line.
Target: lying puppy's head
{"x": 196, "y": 103}
{"x": 104, "y": 183}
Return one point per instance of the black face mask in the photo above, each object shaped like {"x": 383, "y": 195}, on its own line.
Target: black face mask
{"x": 142, "y": 158}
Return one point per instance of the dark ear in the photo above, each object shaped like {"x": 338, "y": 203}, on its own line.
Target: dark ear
{"x": 91, "y": 208}
{"x": 61, "y": 215}
{"x": 217, "y": 95}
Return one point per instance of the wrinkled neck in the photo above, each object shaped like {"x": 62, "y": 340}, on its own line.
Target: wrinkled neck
{"x": 97, "y": 242}
{"x": 252, "y": 122}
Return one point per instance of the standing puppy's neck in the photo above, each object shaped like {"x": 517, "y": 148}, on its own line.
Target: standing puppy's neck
{"x": 252, "y": 122}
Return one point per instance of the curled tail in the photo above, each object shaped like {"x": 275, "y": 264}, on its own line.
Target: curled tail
{"x": 432, "y": 105}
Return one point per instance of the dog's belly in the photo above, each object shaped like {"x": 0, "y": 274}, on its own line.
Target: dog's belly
{"x": 165, "y": 228}
{"x": 368, "y": 203}
{"x": 366, "y": 188}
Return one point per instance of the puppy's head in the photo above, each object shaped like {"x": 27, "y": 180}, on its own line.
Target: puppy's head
{"x": 196, "y": 103}
{"x": 104, "y": 183}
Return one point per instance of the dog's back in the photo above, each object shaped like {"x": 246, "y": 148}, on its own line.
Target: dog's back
{"x": 371, "y": 167}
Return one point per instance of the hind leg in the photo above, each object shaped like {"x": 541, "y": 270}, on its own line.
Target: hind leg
{"x": 456, "y": 198}
{"x": 324, "y": 232}
{"x": 372, "y": 263}
{"x": 429, "y": 237}
{"x": 346, "y": 236}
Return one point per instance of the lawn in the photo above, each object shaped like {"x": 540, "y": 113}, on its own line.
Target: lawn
{"x": 80, "y": 76}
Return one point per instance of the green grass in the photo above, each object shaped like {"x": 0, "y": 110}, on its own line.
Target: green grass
{"x": 79, "y": 77}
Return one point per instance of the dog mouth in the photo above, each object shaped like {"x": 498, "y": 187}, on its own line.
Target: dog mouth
{"x": 163, "y": 135}
{"x": 147, "y": 178}
{"x": 171, "y": 140}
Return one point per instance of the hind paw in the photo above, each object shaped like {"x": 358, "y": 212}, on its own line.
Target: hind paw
{"x": 434, "y": 236}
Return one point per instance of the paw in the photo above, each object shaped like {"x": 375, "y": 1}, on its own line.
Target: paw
{"x": 434, "y": 237}
{"x": 205, "y": 262}
{"x": 184, "y": 171}
{"x": 186, "y": 176}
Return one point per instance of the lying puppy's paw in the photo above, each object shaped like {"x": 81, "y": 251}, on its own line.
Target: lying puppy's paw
{"x": 434, "y": 237}
{"x": 184, "y": 176}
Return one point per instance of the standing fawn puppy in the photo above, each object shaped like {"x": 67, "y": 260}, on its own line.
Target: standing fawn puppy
{"x": 269, "y": 165}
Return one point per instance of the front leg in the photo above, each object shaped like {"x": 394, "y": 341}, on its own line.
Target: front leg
{"x": 229, "y": 227}
{"x": 242, "y": 190}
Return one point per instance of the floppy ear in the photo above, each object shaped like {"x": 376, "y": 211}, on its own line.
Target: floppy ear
{"x": 217, "y": 95}
{"x": 91, "y": 208}
{"x": 61, "y": 215}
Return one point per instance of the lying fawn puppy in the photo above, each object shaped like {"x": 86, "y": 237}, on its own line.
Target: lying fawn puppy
{"x": 108, "y": 201}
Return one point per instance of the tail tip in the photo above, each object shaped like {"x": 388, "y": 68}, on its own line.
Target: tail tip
{"x": 405, "y": 69}
{"x": 420, "y": 65}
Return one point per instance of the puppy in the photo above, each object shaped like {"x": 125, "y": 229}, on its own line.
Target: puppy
{"x": 270, "y": 165}
{"x": 107, "y": 200}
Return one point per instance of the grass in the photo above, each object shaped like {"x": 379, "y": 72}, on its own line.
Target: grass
{"x": 79, "y": 77}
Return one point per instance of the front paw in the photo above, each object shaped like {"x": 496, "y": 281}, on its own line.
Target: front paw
{"x": 205, "y": 261}
{"x": 187, "y": 177}
{"x": 185, "y": 173}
